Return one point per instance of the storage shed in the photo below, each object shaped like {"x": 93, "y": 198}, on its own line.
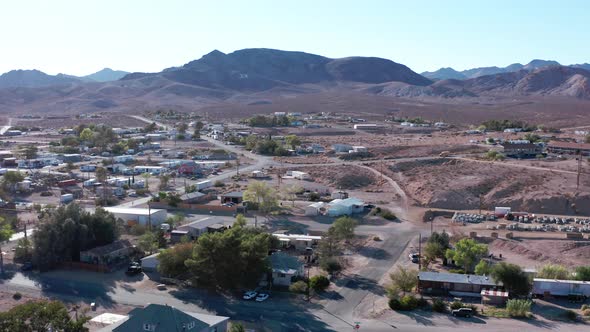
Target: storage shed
{"x": 141, "y": 216}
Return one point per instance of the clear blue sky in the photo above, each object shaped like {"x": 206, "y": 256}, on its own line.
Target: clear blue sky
{"x": 82, "y": 36}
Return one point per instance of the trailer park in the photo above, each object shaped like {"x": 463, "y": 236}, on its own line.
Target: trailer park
{"x": 370, "y": 222}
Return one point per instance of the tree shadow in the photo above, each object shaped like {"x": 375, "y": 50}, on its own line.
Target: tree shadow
{"x": 356, "y": 281}
{"x": 421, "y": 317}
{"x": 332, "y": 295}
{"x": 292, "y": 227}
{"x": 375, "y": 253}
{"x": 279, "y": 312}
{"x": 462, "y": 320}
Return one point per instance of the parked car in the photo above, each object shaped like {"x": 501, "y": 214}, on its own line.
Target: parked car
{"x": 463, "y": 312}
{"x": 261, "y": 297}
{"x": 133, "y": 270}
{"x": 414, "y": 257}
{"x": 250, "y": 295}
{"x": 27, "y": 266}
{"x": 132, "y": 194}
{"x": 161, "y": 287}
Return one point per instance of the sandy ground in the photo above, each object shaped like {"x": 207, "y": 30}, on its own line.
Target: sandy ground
{"x": 458, "y": 184}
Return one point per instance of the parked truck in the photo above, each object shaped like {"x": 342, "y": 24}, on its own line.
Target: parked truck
{"x": 569, "y": 288}
{"x": 204, "y": 184}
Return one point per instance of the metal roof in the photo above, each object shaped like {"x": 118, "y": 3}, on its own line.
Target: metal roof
{"x": 456, "y": 278}
{"x": 135, "y": 211}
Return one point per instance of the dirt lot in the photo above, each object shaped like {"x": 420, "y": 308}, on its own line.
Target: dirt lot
{"x": 458, "y": 184}
{"x": 343, "y": 177}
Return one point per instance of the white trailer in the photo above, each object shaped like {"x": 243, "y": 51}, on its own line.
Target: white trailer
{"x": 88, "y": 168}
{"x": 66, "y": 198}
{"x": 553, "y": 287}
{"x": 204, "y": 184}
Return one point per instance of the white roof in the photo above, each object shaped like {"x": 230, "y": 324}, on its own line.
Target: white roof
{"x": 204, "y": 223}
{"x": 347, "y": 202}
{"x": 317, "y": 205}
{"x": 136, "y": 211}
{"x": 107, "y": 318}
{"x": 489, "y": 292}
{"x": 580, "y": 282}
{"x": 301, "y": 237}
{"x": 149, "y": 167}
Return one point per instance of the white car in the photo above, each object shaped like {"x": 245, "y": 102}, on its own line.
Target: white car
{"x": 250, "y": 295}
{"x": 161, "y": 287}
{"x": 261, "y": 297}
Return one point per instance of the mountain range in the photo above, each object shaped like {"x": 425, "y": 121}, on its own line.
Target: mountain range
{"x": 450, "y": 73}
{"x": 36, "y": 78}
{"x": 259, "y": 76}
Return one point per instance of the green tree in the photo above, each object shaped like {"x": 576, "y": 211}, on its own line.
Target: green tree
{"x": 150, "y": 128}
{"x": 237, "y": 327}
{"x": 554, "y": 271}
{"x": 402, "y": 280}
{"x": 5, "y": 234}
{"x": 41, "y": 315}
{"x": 483, "y": 268}
{"x": 86, "y": 135}
{"x": 146, "y": 176}
{"x": 343, "y": 228}
{"x": 263, "y": 195}
{"x": 466, "y": 253}
{"x": 512, "y": 277}
{"x": 583, "y": 273}
{"x": 319, "y": 283}
{"x": 10, "y": 180}
{"x": 182, "y": 127}
{"x": 66, "y": 231}
{"x": 148, "y": 242}
{"x": 291, "y": 192}
{"x": 292, "y": 141}
{"x": 230, "y": 259}
{"x": 164, "y": 179}
{"x": 28, "y": 151}
{"x": 171, "y": 261}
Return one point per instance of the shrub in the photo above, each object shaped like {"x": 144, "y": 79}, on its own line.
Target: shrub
{"x": 219, "y": 183}
{"x": 439, "y": 305}
{"x": 319, "y": 283}
{"x": 408, "y": 302}
{"x": 394, "y": 304}
{"x": 330, "y": 265}
{"x": 376, "y": 238}
{"x": 570, "y": 314}
{"x": 518, "y": 308}
{"x": 457, "y": 305}
{"x": 586, "y": 312}
{"x": 299, "y": 287}
{"x": 388, "y": 215}
{"x": 584, "y": 307}
{"x": 460, "y": 271}
{"x": 17, "y": 296}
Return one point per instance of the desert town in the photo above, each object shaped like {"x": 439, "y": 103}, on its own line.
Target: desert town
{"x": 376, "y": 220}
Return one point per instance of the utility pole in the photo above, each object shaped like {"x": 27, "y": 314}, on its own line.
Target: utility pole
{"x": 419, "y": 251}
{"x": 579, "y": 170}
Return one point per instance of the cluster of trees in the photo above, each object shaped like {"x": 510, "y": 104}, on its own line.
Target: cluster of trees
{"x": 10, "y": 180}
{"x": 230, "y": 259}
{"x": 342, "y": 229}
{"x": 5, "y": 234}
{"x": 494, "y": 155}
{"x": 560, "y": 272}
{"x": 67, "y": 230}
{"x": 28, "y": 151}
{"x": 266, "y": 145}
{"x": 270, "y": 121}
{"x": 42, "y": 315}
{"x": 501, "y": 125}
{"x": 261, "y": 196}
{"x": 467, "y": 253}
{"x": 436, "y": 247}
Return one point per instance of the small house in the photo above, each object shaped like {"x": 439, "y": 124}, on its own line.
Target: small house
{"x": 236, "y": 197}
{"x": 314, "y": 209}
{"x": 108, "y": 254}
{"x": 300, "y": 175}
{"x": 165, "y": 318}
{"x": 150, "y": 263}
{"x": 193, "y": 198}
{"x": 298, "y": 241}
{"x": 454, "y": 284}
{"x": 345, "y": 207}
{"x": 341, "y": 148}
{"x": 285, "y": 268}
{"x": 521, "y": 150}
